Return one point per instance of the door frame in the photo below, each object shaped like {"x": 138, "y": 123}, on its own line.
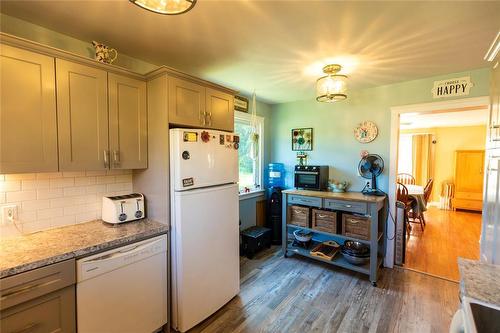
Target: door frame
{"x": 454, "y": 105}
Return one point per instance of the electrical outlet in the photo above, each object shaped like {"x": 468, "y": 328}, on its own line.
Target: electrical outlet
{"x": 9, "y": 213}
{"x": 368, "y": 184}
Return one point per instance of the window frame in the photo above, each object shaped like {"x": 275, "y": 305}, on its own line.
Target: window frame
{"x": 246, "y": 118}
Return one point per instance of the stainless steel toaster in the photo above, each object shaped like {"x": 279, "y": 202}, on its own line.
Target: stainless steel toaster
{"x": 123, "y": 208}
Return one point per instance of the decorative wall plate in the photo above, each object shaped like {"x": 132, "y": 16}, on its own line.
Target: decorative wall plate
{"x": 366, "y": 132}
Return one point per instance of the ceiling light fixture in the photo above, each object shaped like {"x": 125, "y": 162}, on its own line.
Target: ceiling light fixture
{"x": 332, "y": 87}
{"x": 166, "y": 7}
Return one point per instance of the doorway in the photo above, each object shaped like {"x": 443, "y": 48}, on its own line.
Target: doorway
{"x": 434, "y": 148}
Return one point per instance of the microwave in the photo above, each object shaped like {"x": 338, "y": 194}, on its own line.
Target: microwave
{"x": 311, "y": 177}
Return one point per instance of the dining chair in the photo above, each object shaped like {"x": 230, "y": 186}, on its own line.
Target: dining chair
{"x": 427, "y": 195}
{"x": 403, "y": 197}
{"x": 405, "y": 179}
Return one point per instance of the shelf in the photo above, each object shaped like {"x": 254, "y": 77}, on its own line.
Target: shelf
{"x": 338, "y": 260}
{"x": 342, "y": 237}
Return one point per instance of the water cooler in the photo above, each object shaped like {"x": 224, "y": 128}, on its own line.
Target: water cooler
{"x": 275, "y": 184}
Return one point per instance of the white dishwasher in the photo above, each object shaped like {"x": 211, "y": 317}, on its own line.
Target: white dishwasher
{"x": 124, "y": 289}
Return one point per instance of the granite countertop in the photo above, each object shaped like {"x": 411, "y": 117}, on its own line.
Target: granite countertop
{"x": 347, "y": 196}
{"x": 480, "y": 281}
{"x": 24, "y": 253}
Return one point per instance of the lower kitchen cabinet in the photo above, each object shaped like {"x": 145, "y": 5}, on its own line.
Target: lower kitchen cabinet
{"x": 54, "y": 312}
{"x": 41, "y": 300}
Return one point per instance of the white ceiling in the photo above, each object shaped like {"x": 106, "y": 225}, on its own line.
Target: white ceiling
{"x": 278, "y": 47}
{"x": 445, "y": 119}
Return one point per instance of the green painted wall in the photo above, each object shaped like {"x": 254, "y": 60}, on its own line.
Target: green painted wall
{"x": 334, "y": 143}
{"x": 39, "y": 34}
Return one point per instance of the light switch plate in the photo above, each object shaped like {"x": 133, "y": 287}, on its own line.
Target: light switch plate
{"x": 9, "y": 213}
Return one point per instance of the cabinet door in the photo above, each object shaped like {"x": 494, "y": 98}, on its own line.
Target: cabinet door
{"x": 127, "y": 122}
{"x": 186, "y": 103}
{"x": 220, "y": 110}
{"x": 469, "y": 174}
{"x": 82, "y": 116}
{"x": 28, "y": 125}
{"x": 54, "y": 313}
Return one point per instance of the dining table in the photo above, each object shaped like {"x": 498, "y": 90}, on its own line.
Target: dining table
{"x": 418, "y": 203}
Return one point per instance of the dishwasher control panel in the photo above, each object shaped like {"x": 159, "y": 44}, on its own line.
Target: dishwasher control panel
{"x": 101, "y": 263}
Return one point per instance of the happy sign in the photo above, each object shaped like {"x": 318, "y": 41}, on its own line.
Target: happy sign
{"x": 452, "y": 87}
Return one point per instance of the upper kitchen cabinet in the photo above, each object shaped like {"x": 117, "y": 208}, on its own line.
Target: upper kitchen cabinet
{"x": 82, "y": 115}
{"x": 219, "y": 110}
{"x": 127, "y": 122}
{"x": 186, "y": 103}
{"x": 28, "y": 125}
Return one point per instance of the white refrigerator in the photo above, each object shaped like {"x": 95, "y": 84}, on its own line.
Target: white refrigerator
{"x": 205, "y": 223}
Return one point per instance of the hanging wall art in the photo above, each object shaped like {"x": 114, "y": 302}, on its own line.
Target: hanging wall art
{"x": 302, "y": 139}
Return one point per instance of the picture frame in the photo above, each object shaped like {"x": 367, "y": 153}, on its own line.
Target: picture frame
{"x": 241, "y": 103}
{"x": 302, "y": 139}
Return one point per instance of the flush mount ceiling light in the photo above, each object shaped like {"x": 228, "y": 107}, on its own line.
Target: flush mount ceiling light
{"x": 332, "y": 87}
{"x": 166, "y": 7}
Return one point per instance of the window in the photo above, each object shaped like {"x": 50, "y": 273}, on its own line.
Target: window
{"x": 250, "y": 167}
{"x": 405, "y": 155}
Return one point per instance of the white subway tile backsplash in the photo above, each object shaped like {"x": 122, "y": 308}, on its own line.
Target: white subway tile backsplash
{"x": 87, "y": 180}
{"x": 10, "y": 185}
{"x": 62, "y": 182}
{"x": 21, "y": 196}
{"x": 105, "y": 179}
{"x": 49, "y": 213}
{"x": 20, "y": 176}
{"x": 35, "y": 205}
{"x": 49, "y": 193}
{"x": 74, "y": 191}
{"x": 50, "y": 200}
{"x": 73, "y": 173}
{"x": 48, "y": 175}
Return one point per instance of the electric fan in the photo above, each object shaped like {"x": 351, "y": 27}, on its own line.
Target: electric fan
{"x": 370, "y": 167}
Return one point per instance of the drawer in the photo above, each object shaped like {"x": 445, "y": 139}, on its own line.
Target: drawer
{"x": 54, "y": 312}
{"x": 348, "y": 206}
{"x": 29, "y": 285}
{"x": 298, "y": 215}
{"x": 305, "y": 201}
{"x": 467, "y": 204}
{"x": 324, "y": 220}
{"x": 356, "y": 226}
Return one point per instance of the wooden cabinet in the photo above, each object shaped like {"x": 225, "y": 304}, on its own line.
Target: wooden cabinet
{"x": 356, "y": 226}
{"x": 82, "y": 115}
{"x": 219, "y": 110}
{"x": 469, "y": 174}
{"x": 41, "y": 300}
{"x": 186, "y": 103}
{"x": 127, "y": 122}
{"x": 193, "y": 105}
{"x": 28, "y": 125}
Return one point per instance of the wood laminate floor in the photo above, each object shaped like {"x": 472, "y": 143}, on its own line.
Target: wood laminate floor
{"x": 447, "y": 236}
{"x": 301, "y": 295}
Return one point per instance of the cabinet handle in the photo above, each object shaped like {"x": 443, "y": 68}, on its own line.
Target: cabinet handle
{"x": 209, "y": 118}
{"x": 106, "y": 158}
{"x": 27, "y": 288}
{"x": 298, "y": 212}
{"x": 26, "y": 328}
{"x": 321, "y": 216}
{"x": 203, "y": 116}
{"x": 353, "y": 221}
{"x": 348, "y": 206}
{"x": 116, "y": 158}
{"x": 495, "y": 126}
